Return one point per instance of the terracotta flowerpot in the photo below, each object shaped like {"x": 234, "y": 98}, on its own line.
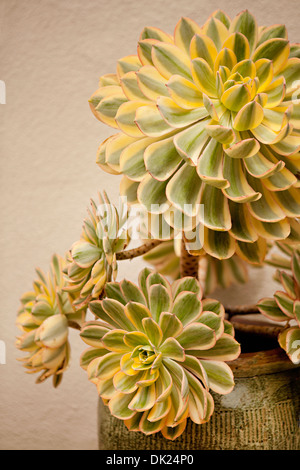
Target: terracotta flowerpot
{"x": 261, "y": 413}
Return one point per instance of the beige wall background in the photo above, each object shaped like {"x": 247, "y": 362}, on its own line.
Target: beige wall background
{"x": 52, "y": 53}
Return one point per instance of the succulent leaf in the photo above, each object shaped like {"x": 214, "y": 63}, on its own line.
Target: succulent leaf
{"x": 212, "y": 272}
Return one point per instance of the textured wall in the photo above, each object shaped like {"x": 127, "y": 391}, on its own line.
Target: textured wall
{"x": 52, "y": 52}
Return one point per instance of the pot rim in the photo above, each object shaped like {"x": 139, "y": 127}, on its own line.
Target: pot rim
{"x": 268, "y": 361}
{"x": 252, "y": 364}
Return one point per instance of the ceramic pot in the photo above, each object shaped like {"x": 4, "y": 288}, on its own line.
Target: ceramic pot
{"x": 261, "y": 413}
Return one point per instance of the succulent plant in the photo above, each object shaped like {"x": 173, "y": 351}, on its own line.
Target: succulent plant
{"x": 208, "y": 144}
{"x": 44, "y": 318}
{"x": 207, "y": 116}
{"x": 213, "y": 273}
{"x": 92, "y": 260}
{"x": 285, "y": 305}
{"x": 156, "y": 350}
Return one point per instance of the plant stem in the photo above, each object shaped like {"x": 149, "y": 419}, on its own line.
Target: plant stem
{"x": 189, "y": 264}
{"x": 139, "y": 251}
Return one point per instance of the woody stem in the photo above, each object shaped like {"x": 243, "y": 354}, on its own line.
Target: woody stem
{"x": 139, "y": 251}
{"x": 189, "y": 264}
